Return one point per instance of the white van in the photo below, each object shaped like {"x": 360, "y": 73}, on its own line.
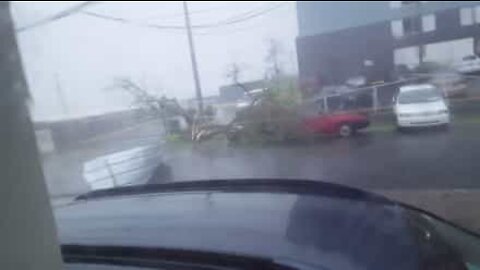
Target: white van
{"x": 421, "y": 105}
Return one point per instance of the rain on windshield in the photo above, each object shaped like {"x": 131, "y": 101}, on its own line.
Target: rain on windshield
{"x": 135, "y": 94}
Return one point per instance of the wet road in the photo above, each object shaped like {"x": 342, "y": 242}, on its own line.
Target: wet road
{"x": 378, "y": 159}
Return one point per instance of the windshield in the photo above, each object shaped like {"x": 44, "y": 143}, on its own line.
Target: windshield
{"x": 103, "y": 97}
{"x": 419, "y": 96}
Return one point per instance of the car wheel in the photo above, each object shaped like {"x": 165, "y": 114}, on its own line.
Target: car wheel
{"x": 345, "y": 130}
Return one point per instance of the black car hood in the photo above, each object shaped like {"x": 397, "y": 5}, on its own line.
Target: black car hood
{"x": 312, "y": 223}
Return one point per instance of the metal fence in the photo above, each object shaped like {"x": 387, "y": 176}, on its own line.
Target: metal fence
{"x": 130, "y": 167}
{"x": 378, "y": 98}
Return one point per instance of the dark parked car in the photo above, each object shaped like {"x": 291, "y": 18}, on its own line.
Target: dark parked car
{"x": 256, "y": 224}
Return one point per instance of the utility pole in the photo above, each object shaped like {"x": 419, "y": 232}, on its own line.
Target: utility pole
{"x": 198, "y": 89}
{"x": 28, "y": 236}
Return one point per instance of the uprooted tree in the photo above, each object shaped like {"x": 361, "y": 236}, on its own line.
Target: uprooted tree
{"x": 271, "y": 116}
{"x": 162, "y": 107}
{"x": 198, "y": 127}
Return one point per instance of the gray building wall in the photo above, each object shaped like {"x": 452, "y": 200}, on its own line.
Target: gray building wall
{"x": 317, "y": 17}
{"x": 336, "y": 39}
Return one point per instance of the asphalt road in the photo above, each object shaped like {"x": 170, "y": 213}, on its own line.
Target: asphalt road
{"x": 432, "y": 169}
{"x": 378, "y": 159}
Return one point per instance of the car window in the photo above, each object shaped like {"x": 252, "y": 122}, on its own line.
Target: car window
{"x": 419, "y": 96}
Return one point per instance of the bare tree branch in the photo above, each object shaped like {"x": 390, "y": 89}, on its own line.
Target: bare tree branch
{"x": 155, "y": 104}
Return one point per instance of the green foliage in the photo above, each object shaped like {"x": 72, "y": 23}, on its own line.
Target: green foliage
{"x": 178, "y": 140}
{"x": 174, "y": 138}
{"x": 284, "y": 91}
{"x": 274, "y": 118}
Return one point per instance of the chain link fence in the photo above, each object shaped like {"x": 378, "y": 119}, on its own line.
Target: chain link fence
{"x": 461, "y": 91}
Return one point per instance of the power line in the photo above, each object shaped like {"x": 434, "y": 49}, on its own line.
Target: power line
{"x": 78, "y": 8}
{"x": 227, "y": 32}
{"x": 126, "y": 21}
{"x": 204, "y": 11}
{"x": 214, "y": 32}
{"x": 252, "y": 13}
{"x": 58, "y": 16}
{"x": 246, "y": 17}
{"x": 234, "y": 20}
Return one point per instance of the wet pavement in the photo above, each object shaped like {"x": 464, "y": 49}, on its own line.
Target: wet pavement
{"x": 379, "y": 158}
{"x": 435, "y": 170}
{"x": 382, "y": 159}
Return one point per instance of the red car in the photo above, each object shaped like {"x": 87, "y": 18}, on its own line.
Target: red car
{"x": 344, "y": 124}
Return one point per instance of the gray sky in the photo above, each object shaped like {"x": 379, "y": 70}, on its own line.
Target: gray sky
{"x": 87, "y": 53}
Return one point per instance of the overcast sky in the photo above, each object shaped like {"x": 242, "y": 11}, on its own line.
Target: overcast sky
{"x": 86, "y": 53}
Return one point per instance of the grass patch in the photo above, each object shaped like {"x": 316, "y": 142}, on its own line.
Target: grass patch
{"x": 471, "y": 119}
{"x": 381, "y": 127}
{"x": 177, "y": 140}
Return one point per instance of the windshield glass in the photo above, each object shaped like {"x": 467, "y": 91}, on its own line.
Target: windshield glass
{"x": 127, "y": 96}
{"x": 419, "y": 96}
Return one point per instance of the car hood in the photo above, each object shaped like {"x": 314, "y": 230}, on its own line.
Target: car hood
{"x": 421, "y": 107}
{"x": 326, "y": 229}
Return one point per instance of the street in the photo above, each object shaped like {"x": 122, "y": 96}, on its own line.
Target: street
{"x": 434, "y": 169}
{"x": 376, "y": 159}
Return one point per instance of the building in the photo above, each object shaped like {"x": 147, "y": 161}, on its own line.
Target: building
{"x": 339, "y": 41}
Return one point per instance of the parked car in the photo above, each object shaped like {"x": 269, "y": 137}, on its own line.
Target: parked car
{"x": 447, "y": 78}
{"x": 468, "y": 64}
{"x": 343, "y": 124}
{"x": 419, "y": 106}
{"x": 256, "y": 224}
{"x": 453, "y": 85}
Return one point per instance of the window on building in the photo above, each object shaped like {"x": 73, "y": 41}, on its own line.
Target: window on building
{"x": 409, "y": 56}
{"x": 466, "y": 16}
{"x": 476, "y": 14}
{"x": 395, "y": 4}
{"x": 411, "y": 25}
{"x": 397, "y": 28}
{"x": 406, "y": 3}
{"x": 470, "y": 15}
{"x": 428, "y": 23}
